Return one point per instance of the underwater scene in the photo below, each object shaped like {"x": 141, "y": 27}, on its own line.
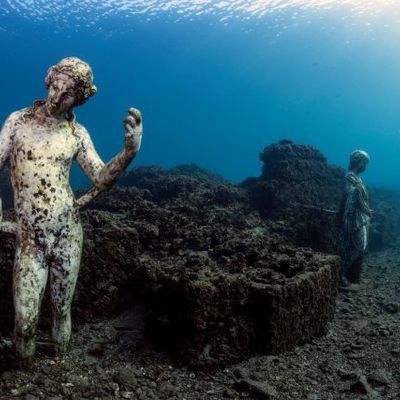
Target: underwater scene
{"x": 199, "y": 199}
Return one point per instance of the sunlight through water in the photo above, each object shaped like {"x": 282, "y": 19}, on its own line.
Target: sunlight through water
{"x": 223, "y": 10}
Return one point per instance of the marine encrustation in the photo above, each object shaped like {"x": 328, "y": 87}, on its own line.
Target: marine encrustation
{"x": 40, "y": 143}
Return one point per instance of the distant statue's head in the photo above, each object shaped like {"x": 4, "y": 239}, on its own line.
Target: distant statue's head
{"x": 358, "y": 161}
{"x": 79, "y": 71}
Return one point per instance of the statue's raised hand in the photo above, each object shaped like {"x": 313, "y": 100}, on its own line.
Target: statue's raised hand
{"x": 133, "y": 131}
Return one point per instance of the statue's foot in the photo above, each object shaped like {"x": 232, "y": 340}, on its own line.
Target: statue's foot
{"x": 344, "y": 282}
{"x": 61, "y": 349}
{"x": 7, "y": 355}
{"x": 23, "y": 364}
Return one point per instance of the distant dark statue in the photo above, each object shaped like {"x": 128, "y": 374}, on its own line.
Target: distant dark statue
{"x": 41, "y": 142}
{"x": 355, "y": 216}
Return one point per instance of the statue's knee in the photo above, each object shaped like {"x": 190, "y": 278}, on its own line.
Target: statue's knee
{"x": 25, "y": 326}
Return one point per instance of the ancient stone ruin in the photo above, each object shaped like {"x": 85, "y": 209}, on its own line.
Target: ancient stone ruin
{"x": 217, "y": 281}
{"x": 216, "y": 267}
{"x": 299, "y": 187}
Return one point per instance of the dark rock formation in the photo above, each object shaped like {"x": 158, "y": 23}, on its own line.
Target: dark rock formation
{"x": 217, "y": 284}
{"x": 298, "y": 186}
{"x": 216, "y": 280}
{"x": 142, "y": 177}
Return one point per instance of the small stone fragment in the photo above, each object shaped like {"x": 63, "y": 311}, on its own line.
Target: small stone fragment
{"x": 260, "y": 390}
{"x": 379, "y": 378}
{"x": 391, "y": 308}
{"x": 362, "y": 386}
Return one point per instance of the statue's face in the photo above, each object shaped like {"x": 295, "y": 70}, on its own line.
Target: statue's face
{"x": 362, "y": 165}
{"x": 61, "y": 94}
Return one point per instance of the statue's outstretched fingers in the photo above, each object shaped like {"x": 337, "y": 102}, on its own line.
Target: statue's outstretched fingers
{"x": 135, "y": 113}
{"x": 130, "y": 120}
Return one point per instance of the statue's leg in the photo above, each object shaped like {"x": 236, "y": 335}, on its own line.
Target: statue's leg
{"x": 64, "y": 269}
{"x": 30, "y": 277}
{"x": 347, "y": 260}
{"x": 345, "y": 251}
{"x": 360, "y": 244}
{"x": 342, "y": 251}
{"x": 354, "y": 273}
{"x": 344, "y": 267}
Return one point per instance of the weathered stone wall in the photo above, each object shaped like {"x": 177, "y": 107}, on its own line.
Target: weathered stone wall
{"x": 209, "y": 318}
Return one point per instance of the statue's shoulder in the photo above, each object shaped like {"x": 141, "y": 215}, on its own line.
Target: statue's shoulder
{"x": 17, "y": 115}
{"x": 351, "y": 177}
{"x": 80, "y": 129}
{"x": 81, "y": 133}
{"x": 14, "y": 119}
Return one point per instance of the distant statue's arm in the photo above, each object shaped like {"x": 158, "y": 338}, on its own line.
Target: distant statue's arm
{"x": 349, "y": 208}
{"x": 104, "y": 176}
{"x": 362, "y": 204}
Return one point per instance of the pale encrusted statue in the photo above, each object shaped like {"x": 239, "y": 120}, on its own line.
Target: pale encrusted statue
{"x": 355, "y": 215}
{"x": 41, "y": 142}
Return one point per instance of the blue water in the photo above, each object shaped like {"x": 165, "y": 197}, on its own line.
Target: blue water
{"x": 217, "y": 82}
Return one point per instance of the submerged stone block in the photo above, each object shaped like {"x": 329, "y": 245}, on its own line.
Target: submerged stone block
{"x": 298, "y": 310}
{"x": 215, "y": 318}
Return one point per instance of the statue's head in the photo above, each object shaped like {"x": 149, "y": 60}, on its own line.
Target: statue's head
{"x": 358, "y": 161}
{"x": 79, "y": 73}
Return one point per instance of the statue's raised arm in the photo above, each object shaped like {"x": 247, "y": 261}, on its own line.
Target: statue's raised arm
{"x": 133, "y": 138}
{"x": 104, "y": 176}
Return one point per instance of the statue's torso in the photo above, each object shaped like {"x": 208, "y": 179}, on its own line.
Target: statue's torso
{"x": 357, "y": 213}
{"x": 41, "y": 156}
